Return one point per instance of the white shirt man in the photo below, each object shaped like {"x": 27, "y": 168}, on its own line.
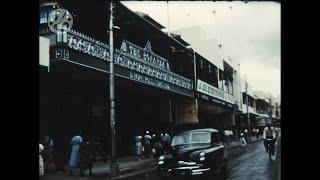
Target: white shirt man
{"x": 269, "y": 133}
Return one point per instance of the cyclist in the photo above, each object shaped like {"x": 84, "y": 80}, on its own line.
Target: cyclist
{"x": 269, "y": 133}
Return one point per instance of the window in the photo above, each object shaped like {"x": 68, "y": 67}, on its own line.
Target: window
{"x": 191, "y": 138}
{"x": 215, "y": 138}
{"x": 244, "y": 99}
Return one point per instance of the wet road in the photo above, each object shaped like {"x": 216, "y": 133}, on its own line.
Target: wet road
{"x": 251, "y": 163}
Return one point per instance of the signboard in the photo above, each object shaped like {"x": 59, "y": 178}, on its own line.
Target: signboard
{"x": 44, "y": 44}
{"x": 212, "y": 91}
{"x": 146, "y": 54}
{"x": 131, "y": 57}
{"x": 131, "y": 62}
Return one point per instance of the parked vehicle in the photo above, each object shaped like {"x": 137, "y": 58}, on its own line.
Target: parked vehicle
{"x": 195, "y": 152}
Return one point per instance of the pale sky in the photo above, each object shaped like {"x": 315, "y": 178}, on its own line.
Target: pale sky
{"x": 249, "y": 32}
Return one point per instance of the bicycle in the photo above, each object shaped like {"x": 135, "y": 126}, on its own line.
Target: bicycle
{"x": 270, "y": 147}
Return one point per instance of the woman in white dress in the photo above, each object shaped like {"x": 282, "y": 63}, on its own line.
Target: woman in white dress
{"x": 41, "y": 165}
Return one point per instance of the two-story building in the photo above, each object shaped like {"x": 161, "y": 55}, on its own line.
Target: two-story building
{"x": 154, "y": 86}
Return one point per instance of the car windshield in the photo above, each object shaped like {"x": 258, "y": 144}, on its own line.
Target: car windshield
{"x": 191, "y": 138}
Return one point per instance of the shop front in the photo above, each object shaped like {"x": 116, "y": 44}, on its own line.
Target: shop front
{"x": 216, "y": 107}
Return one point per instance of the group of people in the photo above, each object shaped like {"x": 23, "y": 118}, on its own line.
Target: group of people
{"x": 148, "y": 144}
{"x": 82, "y": 156}
{"x": 242, "y": 135}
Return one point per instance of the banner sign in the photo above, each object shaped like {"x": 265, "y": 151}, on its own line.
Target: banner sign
{"x": 145, "y": 54}
{"x": 150, "y": 68}
{"x": 210, "y": 90}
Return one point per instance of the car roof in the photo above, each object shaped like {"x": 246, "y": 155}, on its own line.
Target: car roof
{"x": 210, "y": 130}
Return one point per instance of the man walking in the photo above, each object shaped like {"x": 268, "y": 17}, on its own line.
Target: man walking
{"x": 147, "y": 144}
{"x": 165, "y": 139}
{"x": 138, "y": 146}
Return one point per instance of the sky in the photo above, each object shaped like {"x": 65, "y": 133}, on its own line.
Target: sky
{"x": 249, "y": 32}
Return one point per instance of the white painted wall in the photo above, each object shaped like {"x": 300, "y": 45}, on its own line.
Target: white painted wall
{"x": 208, "y": 48}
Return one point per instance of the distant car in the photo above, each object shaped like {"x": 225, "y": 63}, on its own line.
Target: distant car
{"x": 194, "y": 152}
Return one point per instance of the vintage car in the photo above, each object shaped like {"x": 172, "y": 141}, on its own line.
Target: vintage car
{"x": 194, "y": 152}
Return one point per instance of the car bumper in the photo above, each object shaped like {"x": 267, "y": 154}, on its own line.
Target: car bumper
{"x": 184, "y": 171}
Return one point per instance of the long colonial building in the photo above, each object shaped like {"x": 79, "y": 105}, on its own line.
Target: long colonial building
{"x": 161, "y": 83}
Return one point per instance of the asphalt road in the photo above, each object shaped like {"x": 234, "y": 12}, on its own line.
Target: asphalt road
{"x": 251, "y": 163}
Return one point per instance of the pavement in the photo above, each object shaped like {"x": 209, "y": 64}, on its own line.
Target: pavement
{"x": 129, "y": 167}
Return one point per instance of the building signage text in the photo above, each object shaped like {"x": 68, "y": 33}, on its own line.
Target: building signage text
{"x": 134, "y": 58}
{"x": 144, "y": 54}
{"x": 210, "y": 90}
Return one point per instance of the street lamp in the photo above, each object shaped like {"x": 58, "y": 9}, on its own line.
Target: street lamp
{"x": 114, "y": 167}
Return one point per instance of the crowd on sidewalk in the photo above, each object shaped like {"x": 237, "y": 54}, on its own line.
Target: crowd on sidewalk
{"x": 85, "y": 151}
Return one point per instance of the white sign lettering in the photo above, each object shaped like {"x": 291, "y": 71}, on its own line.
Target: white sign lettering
{"x": 210, "y": 90}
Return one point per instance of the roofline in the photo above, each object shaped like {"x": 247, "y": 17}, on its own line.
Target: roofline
{"x": 139, "y": 17}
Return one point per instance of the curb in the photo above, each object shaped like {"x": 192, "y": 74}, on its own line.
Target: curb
{"x": 135, "y": 174}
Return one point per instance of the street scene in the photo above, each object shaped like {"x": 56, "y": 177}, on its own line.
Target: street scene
{"x": 159, "y": 90}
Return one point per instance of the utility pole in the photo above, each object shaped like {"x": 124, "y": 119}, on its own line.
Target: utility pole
{"x": 195, "y": 82}
{"x": 168, "y": 14}
{"x": 114, "y": 167}
{"x": 248, "y": 118}
{"x": 270, "y": 112}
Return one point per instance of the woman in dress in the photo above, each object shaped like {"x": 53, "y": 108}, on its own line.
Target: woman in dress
{"x": 74, "y": 157}
{"x": 41, "y": 165}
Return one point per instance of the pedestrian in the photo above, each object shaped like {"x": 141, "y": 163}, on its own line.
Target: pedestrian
{"x": 158, "y": 147}
{"x": 165, "y": 140}
{"x": 246, "y": 135}
{"x": 226, "y": 135}
{"x": 277, "y": 132}
{"x": 87, "y": 156}
{"x": 104, "y": 144}
{"x": 41, "y": 164}
{"x": 253, "y": 132}
{"x": 242, "y": 140}
{"x": 257, "y": 133}
{"x": 138, "y": 146}
{"x": 48, "y": 157}
{"x": 61, "y": 153}
{"x": 236, "y": 134}
{"x": 147, "y": 144}
{"x": 74, "y": 157}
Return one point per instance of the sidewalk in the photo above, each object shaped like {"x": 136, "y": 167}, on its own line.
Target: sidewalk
{"x": 129, "y": 167}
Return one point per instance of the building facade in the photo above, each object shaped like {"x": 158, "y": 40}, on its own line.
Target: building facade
{"x": 160, "y": 82}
